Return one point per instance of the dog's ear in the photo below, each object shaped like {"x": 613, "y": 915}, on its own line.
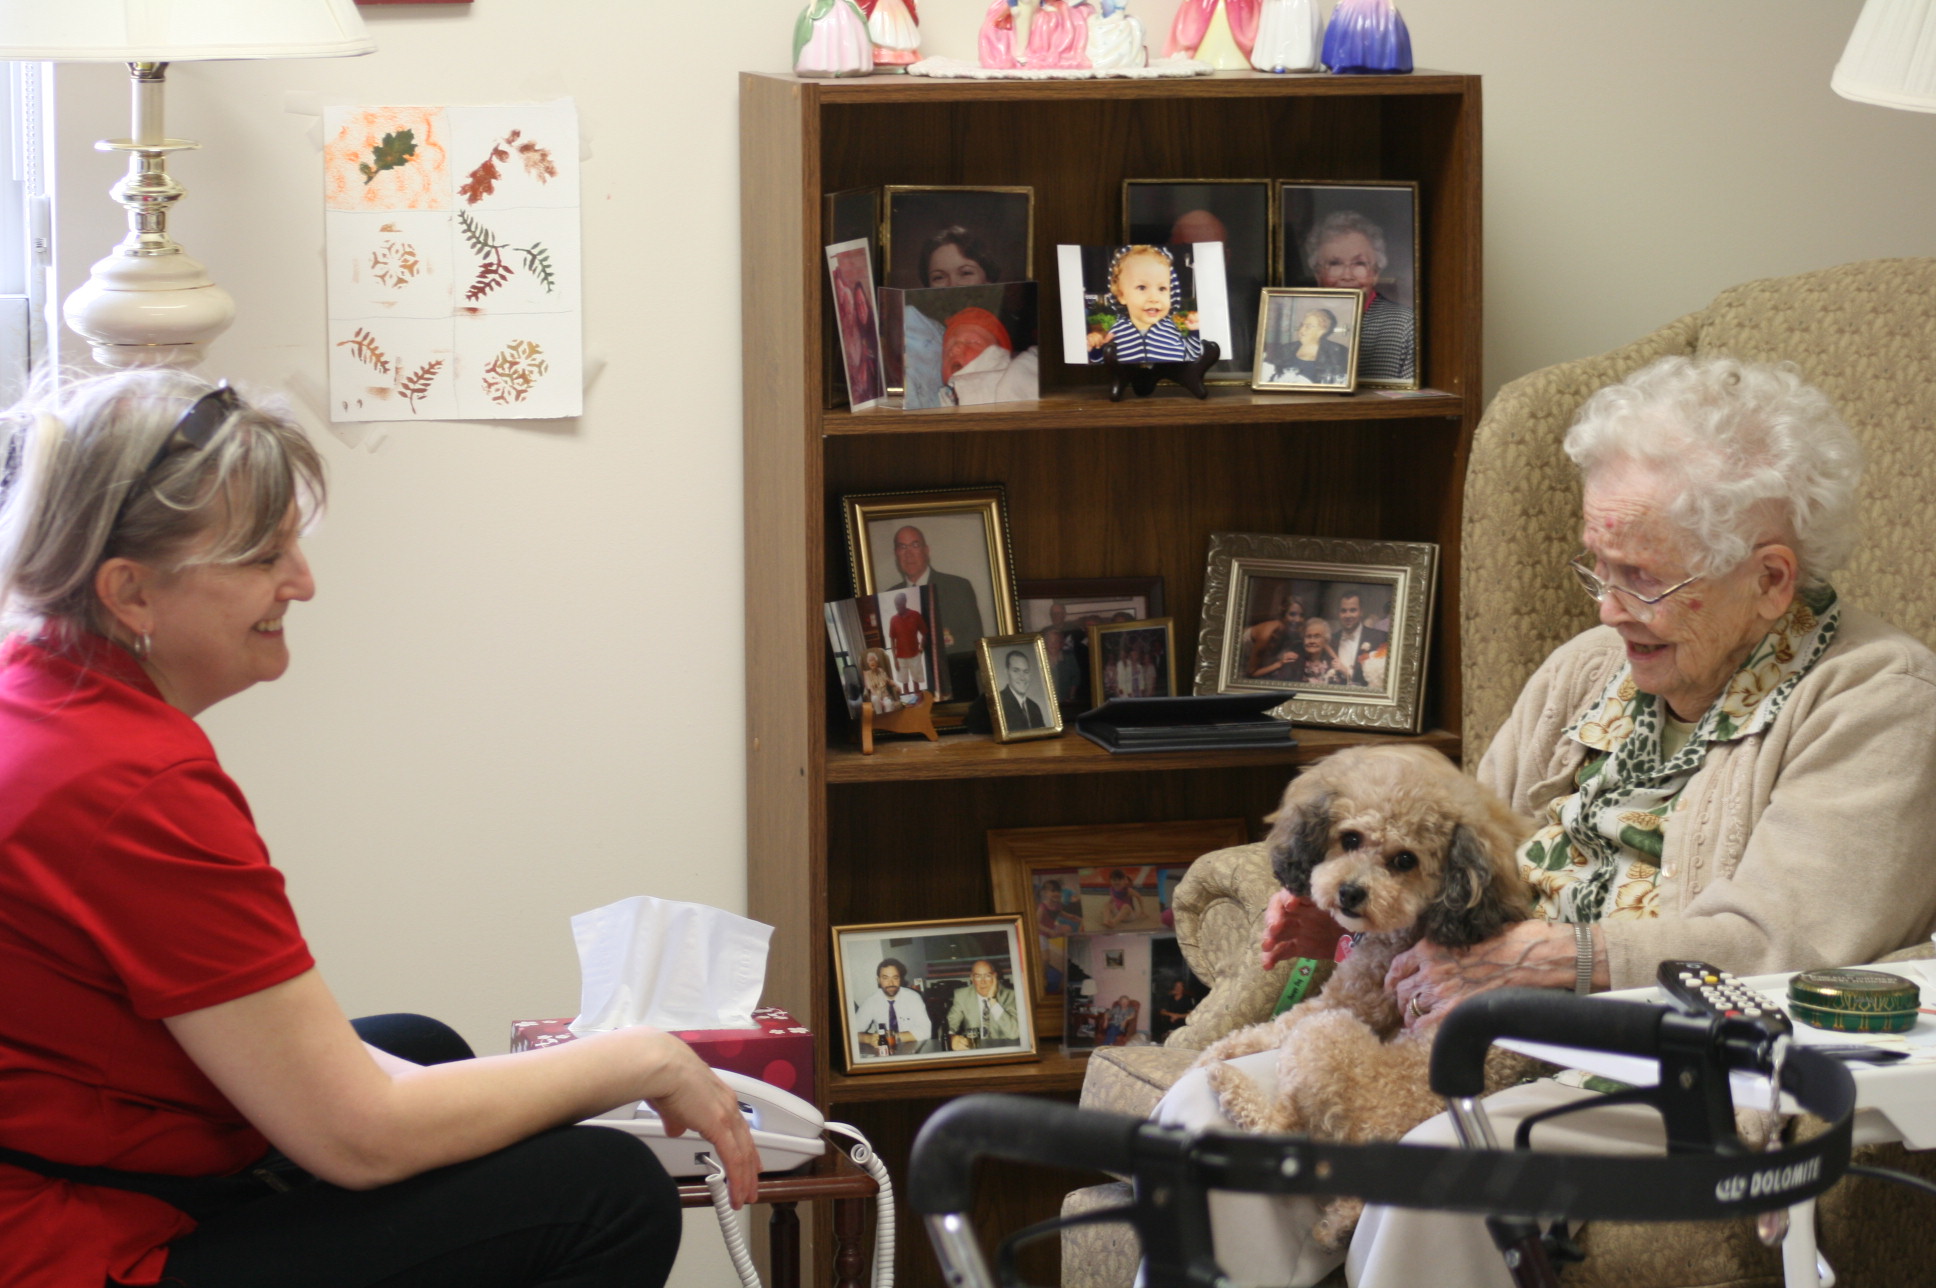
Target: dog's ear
{"x": 1477, "y": 899}
{"x": 1298, "y": 840}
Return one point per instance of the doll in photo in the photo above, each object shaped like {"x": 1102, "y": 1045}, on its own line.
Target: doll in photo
{"x": 830, "y": 39}
{"x": 1143, "y": 295}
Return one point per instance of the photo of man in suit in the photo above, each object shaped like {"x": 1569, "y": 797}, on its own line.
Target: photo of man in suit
{"x": 1020, "y": 710}
{"x": 892, "y": 1020}
{"x": 983, "y": 1013}
{"x": 955, "y": 601}
{"x": 1353, "y": 641}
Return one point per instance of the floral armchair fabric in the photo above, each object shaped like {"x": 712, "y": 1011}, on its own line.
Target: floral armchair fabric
{"x": 1864, "y": 334}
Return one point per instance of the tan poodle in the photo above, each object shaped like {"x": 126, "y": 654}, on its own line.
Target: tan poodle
{"x": 1396, "y": 843}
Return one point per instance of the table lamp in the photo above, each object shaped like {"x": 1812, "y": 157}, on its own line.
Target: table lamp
{"x": 1891, "y": 57}
{"x": 148, "y": 303}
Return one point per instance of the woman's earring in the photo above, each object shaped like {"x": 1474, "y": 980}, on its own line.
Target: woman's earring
{"x": 142, "y": 644}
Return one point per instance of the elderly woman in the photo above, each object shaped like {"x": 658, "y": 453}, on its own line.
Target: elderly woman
{"x": 1347, "y": 250}
{"x": 185, "y": 1101}
{"x": 1734, "y": 766}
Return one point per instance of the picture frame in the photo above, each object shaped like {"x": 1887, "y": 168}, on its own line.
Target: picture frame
{"x": 941, "y": 977}
{"x": 1364, "y": 222}
{"x": 1262, "y": 591}
{"x": 1062, "y": 609}
{"x": 1240, "y": 213}
{"x": 1022, "y": 861}
{"x": 960, "y": 346}
{"x": 991, "y": 231}
{"x": 857, "y": 323}
{"x": 1132, "y": 660}
{"x": 1016, "y": 677}
{"x": 1323, "y": 359}
{"x": 960, "y": 546}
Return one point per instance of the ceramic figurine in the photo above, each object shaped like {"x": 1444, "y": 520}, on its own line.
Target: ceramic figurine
{"x": 1116, "y": 37}
{"x": 1218, "y": 32}
{"x": 1035, "y": 33}
{"x": 830, "y": 39}
{"x": 1367, "y": 36}
{"x": 1287, "y": 37}
{"x": 895, "y": 28}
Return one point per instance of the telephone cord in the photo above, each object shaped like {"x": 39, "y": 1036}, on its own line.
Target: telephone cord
{"x": 864, "y": 1157}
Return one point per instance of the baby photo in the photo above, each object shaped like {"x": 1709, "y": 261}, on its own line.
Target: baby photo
{"x": 1143, "y": 303}
{"x": 957, "y": 346}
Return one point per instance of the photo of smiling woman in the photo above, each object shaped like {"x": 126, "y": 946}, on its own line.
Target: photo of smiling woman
{"x": 957, "y": 236}
{"x": 164, "y": 1028}
{"x": 1361, "y": 237}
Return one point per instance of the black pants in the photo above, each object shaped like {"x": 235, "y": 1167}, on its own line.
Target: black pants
{"x": 579, "y": 1207}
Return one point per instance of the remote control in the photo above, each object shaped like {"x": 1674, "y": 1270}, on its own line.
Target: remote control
{"x": 1701, "y": 988}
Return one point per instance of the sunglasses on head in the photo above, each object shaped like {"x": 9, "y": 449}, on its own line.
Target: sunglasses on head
{"x": 199, "y": 423}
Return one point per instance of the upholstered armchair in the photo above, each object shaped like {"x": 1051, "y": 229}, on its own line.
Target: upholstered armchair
{"x": 1864, "y": 333}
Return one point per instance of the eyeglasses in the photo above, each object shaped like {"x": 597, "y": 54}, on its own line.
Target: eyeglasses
{"x": 1642, "y": 606}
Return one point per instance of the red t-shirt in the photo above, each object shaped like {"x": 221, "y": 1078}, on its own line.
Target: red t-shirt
{"x": 133, "y": 886}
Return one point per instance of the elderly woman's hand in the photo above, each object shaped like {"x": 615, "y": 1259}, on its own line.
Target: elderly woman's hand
{"x": 1429, "y": 980}
{"x": 1295, "y": 927}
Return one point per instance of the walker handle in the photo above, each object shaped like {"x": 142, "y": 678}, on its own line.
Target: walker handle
{"x": 1540, "y": 1015}
{"x": 942, "y": 1168}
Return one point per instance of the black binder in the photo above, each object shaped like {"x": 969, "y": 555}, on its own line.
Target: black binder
{"x": 1223, "y": 720}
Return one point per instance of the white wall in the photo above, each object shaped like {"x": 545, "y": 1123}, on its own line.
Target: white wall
{"x": 518, "y": 692}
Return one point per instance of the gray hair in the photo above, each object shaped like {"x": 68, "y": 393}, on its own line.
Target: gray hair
{"x": 80, "y": 483}
{"x": 1736, "y": 440}
{"x": 1337, "y": 223}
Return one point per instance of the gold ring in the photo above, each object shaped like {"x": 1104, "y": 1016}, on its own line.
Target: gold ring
{"x": 1416, "y": 1008}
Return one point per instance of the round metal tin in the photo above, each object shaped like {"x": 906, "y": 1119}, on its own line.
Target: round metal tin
{"x": 1854, "y": 1001}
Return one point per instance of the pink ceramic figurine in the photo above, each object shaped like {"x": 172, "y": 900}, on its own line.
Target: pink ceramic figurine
{"x": 895, "y": 28}
{"x": 1218, "y": 32}
{"x": 1035, "y": 33}
{"x": 830, "y": 39}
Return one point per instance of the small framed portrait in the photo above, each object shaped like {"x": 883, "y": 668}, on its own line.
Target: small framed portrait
{"x": 850, "y": 265}
{"x": 1094, "y": 879}
{"x": 1339, "y": 626}
{"x": 957, "y": 236}
{"x": 1241, "y": 214}
{"x": 1063, "y": 609}
{"x": 1143, "y": 303}
{"x": 1015, "y": 673}
{"x": 1307, "y": 340}
{"x": 952, "y": 539}
{"x": 1111, "y": 991}
{"x": 924, "y": 994}
{"x": 1132, "y": 660}
{"x": 1364, "y": 237}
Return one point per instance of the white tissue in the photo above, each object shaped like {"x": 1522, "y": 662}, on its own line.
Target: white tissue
{"x": 671, "y": 965}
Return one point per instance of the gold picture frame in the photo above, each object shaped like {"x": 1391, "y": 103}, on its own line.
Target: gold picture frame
{"x": 1244, "y": 212}
{"x": 999, "y": 221}
{"x": 1264, "y": 597}
{"x": 1016, "y": 675}
{"x": 1110, "y": 647}
{"x": 1391, "y": 207}
{"x": 937, "y": 961}
{"x": 1022, "y": 860}
{"x": 1281, "y": 366}
{"x": 964, "y": 554}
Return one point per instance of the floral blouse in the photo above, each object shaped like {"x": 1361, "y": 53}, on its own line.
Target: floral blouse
{"x": 1597, "y": 853}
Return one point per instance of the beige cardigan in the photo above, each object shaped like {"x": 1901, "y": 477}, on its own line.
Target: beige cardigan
{"x": 1810, "y": 844}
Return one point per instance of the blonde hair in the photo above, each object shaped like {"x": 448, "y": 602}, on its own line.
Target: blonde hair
{"x": 92, "y": 472}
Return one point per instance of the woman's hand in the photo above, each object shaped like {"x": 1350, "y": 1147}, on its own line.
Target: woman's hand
{"x": 1428, "y": 980}
{"x": 1297, "y": 927}
{"x": 694, "y": 1098}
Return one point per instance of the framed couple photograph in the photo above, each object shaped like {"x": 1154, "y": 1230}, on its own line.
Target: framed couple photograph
{"x": 1307, "y": 340}
{"x": 1062, "y": 610}
{"x": 1339, "y": 626}
{"x": 1365, "y": 237}
{"x": 1105, "y": 878}
{"x": 931, "y": 994}
{"x": 1015, "y": 670}
{"x": 1132, "y": 660}
{"x": 1239, "y": 213}
{"x": 954, "y": 540}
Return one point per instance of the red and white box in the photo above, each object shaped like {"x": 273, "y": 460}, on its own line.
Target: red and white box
{"x": 779, "y": 1051}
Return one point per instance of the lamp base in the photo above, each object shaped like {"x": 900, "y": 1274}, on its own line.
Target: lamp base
{"x": 148, "y": 310}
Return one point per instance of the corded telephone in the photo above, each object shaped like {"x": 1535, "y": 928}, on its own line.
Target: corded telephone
{"x": 786, "y": 1129}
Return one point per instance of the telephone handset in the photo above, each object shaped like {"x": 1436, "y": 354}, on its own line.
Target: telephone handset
{"x": 785, "y": 1128}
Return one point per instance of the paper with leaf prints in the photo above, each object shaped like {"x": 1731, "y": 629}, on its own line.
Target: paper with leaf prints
{"x": 452, "y": 256}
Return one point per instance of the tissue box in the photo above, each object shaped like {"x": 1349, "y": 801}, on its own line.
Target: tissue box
{"x": 779, "y": 1051}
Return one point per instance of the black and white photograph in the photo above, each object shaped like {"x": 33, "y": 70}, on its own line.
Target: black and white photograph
{"x": 1362, "y": 237}
{"x": 922, "y": 994}
{"x": 954, "y": 540}
{"x": 1015, "y": 674}
{"x": 1235, "y": 212}
{"x": 960, "y": 346}
{"x": 957, "y": 236}
{"x": 1143, "y": 303}
{"x": 1307, "y": 340}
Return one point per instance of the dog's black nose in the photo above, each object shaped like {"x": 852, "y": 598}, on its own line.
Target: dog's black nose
{"x": 1351, "y": 897}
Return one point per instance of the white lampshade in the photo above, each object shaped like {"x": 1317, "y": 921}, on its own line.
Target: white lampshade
{"x": 1891, "y": 58}
{"x": 171, "y": 31}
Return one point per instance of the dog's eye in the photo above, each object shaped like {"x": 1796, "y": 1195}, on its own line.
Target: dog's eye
{"x": 1404, "y": 861}
{"x": 1351, "y": 840}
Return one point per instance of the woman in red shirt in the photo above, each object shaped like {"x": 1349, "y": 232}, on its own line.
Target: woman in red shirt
{"x": 161, "y": 1019}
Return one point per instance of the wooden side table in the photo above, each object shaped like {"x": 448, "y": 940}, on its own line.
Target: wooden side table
{"x": 832, "y": 1176}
